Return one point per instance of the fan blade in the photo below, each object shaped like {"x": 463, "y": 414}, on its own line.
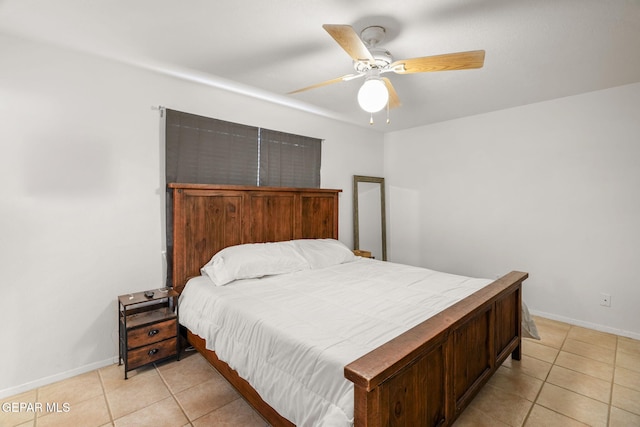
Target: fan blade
{"x": 328, "y": 82}
{"x": 350, "y": 42}
{"x": 394, "y": 100}
{"x": 446, "y": 62}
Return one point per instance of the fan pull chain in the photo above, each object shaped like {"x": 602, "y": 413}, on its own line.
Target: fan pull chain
{"x": 371, "y": 119}
{"x": 388, "y": 118}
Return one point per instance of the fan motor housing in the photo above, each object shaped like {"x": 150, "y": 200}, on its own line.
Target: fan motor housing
{"x": 382, "y": 59}
{"x": 372, "y": 36}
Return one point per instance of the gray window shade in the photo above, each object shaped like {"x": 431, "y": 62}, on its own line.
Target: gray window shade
{"x": 288, "y": 160}
{"x": 203, "y": 150}
{"x": 208, "y": 151}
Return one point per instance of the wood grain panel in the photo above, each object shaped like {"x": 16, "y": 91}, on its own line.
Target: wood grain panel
{"x": 157, "y": 332}
{"x": 473, "y": 354}
{"x": 273, "y": 217}
{"x": 508, "y": 325}
{"x": 208, "y": 222}
{"x": 416, "y": 395}
{"x": 319, "y": 215}
{"x": 152, "y": 352}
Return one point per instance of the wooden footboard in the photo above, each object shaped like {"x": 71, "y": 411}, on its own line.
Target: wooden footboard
{"x": 429, "y": 374}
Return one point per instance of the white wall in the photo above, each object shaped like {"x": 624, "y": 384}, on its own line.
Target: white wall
{"x": 81, "y": 203}
{"x": 550, "y": 188}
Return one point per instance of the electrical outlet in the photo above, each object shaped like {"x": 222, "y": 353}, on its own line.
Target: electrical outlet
{"x": 605, "y": 300}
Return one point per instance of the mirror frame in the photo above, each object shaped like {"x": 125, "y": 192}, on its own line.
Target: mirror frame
{"x": 356, "y": 232}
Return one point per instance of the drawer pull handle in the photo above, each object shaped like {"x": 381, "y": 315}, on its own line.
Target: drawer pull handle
{"x": 153, "y": 332}
{"x": 152, "y": 352}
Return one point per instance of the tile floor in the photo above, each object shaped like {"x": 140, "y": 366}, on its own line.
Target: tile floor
{"x": 572, "y": 377}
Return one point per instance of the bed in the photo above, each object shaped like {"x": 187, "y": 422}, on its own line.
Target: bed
{"x": 424, "y": 376}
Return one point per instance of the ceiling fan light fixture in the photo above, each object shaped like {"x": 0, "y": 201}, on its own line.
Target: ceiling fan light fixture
{"x": 370, "y": 60}
{"x": 373, "y": 96}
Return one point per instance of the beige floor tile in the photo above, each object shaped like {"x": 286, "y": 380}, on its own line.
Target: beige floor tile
{"x": 585, "y": 365}
{"x": 629, "y": 345}
{"x": 543, "y": 322}
{"x": 629, "y": 361}
{"x": 552, "y": 334}
{"x": 574, "y": 405}
{"x": 543, "y": 417}
{"x": 590, "y": 350}
{"x": 188, "y": 372}
{"x": 136, "y": 393}
{"x": 529, "y": 366}
{"x": 621, "y": 418}
{"x": 73, "y": 390}
{"x": 626, "y": 398}
{"x": 539, "y": 351}
{"x": 14, "y": 416}
{"x": 517, "y": 383}
{"x": 236, "y": 413}
{"x": 580, "y": 383}
{"x": 91, "y": 412}
{"x": 598, "y": 338}
{"x": 206, "y": 397}
{"x": 165, "y": 413}
{"x": 113, "y": 376}
{"x": 504, "y": 406}
{"x": 14, "y": 419}
{"x": 627, "y": 378}
{"x": 472, "y": 417}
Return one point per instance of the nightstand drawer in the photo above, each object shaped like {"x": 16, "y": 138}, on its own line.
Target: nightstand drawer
{"x": 151, "y": 333}
{"x": 151, "y": 353}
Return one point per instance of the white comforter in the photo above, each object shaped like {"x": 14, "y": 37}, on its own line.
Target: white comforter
{"x": 291, "y": 335}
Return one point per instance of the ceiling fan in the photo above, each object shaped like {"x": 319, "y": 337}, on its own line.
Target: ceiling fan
{"x": 371, "y": 62}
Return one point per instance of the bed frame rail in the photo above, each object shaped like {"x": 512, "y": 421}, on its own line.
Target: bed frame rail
{"x": 429, "y": 374}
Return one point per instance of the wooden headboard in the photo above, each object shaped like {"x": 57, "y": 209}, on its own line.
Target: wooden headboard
{"x": 208, "y": 218}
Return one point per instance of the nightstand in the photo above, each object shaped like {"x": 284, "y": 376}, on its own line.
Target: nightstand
{"x": 149, "y": 328}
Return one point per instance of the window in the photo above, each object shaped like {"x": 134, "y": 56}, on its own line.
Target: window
{"x": 209, "y": 151}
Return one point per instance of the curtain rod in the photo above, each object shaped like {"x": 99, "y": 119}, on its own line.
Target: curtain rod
{"x": 159, "y": 108}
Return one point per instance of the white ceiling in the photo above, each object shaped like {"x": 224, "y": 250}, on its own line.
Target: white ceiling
{"x": 535, "y": 49}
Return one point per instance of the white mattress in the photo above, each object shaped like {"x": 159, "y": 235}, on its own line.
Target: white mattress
{"x": 291, "y": 335}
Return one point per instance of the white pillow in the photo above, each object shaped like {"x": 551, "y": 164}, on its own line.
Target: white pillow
{"x": 253, "y": 260}
{"x": 321, "y": 253}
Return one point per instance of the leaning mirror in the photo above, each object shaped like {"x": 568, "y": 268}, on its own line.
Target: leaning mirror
{"x": 369, "y": 219}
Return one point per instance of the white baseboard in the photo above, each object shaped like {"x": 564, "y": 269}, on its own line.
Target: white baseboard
{"x": 12, "y": 391}
{"x": 589, "y": 325}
